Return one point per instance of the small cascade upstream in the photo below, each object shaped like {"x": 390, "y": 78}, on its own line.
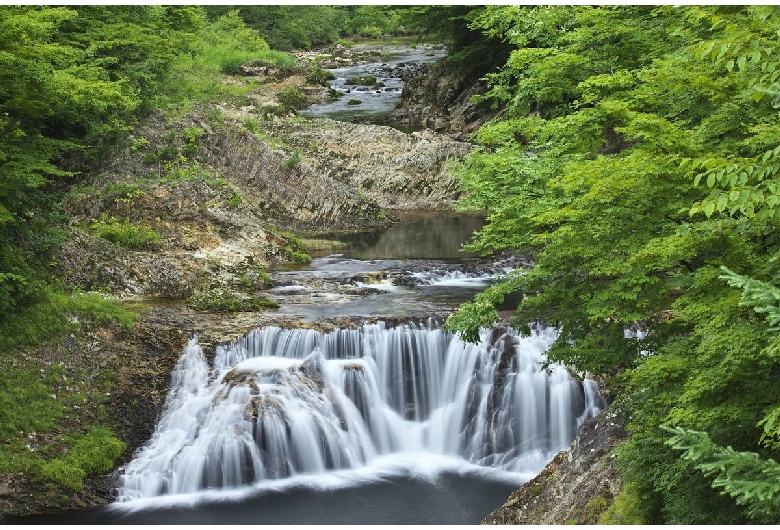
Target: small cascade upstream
{"x": 282, "y": 403}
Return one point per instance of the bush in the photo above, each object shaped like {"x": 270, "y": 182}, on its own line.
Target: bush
{"x": 318, "y": 76}
{"x": 354, "y": 102}
{"x": 125, "y": 234}
{"x": 293, "y": 98}
{"x": 299, "y": 257}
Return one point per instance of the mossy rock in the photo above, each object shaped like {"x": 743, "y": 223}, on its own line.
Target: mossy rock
{"x": 224, "y": 301}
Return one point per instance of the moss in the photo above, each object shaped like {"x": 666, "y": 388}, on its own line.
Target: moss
{"x": 92, "y": 453}
{"x": 225, "y": 301}
{"x": 625, "y": 509}
{"x": 47, "y": 401}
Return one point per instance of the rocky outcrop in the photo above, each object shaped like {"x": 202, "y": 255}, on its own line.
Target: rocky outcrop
{"x": 381, "y": 165}
{"x": 577, "y": 486}
{"x": 440, "y": 98}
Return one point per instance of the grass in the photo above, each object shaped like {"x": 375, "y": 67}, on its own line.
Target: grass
{"x": 56, "y": 313}
{"x": 125, "y": 234}
{"x": 49, "y": 408}
{"x": 292, "y": 161}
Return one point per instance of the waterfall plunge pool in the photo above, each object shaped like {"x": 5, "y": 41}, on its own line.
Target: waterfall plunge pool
{"x": 371, "y": 426}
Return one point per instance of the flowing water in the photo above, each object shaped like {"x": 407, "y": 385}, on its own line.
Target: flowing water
{"x": 372, "y": 100}
{"x": 375, "y": 424}
{"x": 281, "y": 404}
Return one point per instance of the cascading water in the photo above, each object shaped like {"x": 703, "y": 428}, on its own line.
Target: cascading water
{"x": 283, "y": 403}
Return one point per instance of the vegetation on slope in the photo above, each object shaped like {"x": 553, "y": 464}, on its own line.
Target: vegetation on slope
{"x": 89, "y": 74}
{"x": 636, "y": 157}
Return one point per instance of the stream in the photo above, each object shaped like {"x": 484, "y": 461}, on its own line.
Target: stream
{"x": 364, "y": 100}
{"x": 435, "y": 456}
{"x": 371, "y": 424}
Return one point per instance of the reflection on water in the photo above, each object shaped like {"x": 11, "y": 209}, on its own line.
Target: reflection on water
{"x": 438, "y": 235}
{"x": 449, "y": 499}
{"x": 423, "y": 246}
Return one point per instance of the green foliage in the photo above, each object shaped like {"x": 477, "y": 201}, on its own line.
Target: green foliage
{"x": 124, "y": 233}
{"x": 220, "y": 48}
{"x": 293, "y": 160}
{"x": 750, "y": 479}
{"x": 93, "y": 453}
{"x": 289, "y": 27}
{"x": 318, "y": 76}
{"x": 225, "y": 301}
{"x": 354, "y": 102}
{"x": 297, "y": 256}
{"x": 295, "y": 250}
{"x": 293, "y": 98}
{"x": 234, "y": 201}
{"x": 612, "y": 120}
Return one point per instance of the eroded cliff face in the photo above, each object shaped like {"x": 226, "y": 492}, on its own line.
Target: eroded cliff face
{"x": 384, "y": 166}
{"x": 440, "y": 98}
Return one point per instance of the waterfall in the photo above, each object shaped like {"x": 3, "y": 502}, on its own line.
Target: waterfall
{"x": 293, "y": 402}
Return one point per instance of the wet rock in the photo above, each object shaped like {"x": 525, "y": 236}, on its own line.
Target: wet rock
{"x": 577, "y": 486}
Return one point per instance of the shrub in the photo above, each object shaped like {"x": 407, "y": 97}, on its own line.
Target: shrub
{"x": 354, "y": 102}
{"x": 318, "y": 76}
{"x": 299, "y": 257}
{"x": 293, "y": 98}
{"x": 368, "y": 80}
{"x": 125, "y": 234}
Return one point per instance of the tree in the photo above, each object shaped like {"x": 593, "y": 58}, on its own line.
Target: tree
{"x": 70, "y": 81}
{"x": 634, "y": 156}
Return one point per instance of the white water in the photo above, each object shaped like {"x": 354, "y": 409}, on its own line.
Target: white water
{"x": 280, "y": 406}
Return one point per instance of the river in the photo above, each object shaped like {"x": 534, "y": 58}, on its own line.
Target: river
{"x": 370, "y": 425}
